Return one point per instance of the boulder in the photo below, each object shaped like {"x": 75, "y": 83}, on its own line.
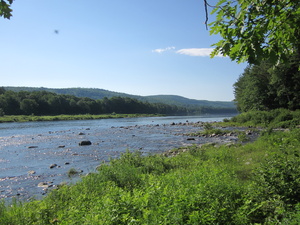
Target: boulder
{"x": 83, "y": 143}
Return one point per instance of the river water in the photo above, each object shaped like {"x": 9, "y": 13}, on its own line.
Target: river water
{"x": 28, "y": 150}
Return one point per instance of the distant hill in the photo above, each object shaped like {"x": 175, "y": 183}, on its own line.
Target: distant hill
{"x": 96, "y": 93}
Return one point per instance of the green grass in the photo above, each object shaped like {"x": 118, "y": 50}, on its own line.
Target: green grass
{"x": 32, "y": 118}
{"x": 278, "y": 118}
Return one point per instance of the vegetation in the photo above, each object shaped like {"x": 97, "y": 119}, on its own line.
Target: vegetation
{"x": 32, "y": 118}
{"x": 254, "y": 183}
{"x": 191, "y": 105}
{"x": 5, "y": 9}
{"x": 49, "y": 103}
{"x": 256, "y": 31}
{"x": 277, "y": 118}
{"x": 265, "y": 87}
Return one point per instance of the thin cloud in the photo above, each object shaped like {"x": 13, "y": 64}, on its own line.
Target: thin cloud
{"x": 204, "y": 52}
{"x": 161, "y": 50}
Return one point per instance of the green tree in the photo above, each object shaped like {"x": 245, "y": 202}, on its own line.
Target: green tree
{"x": 5, "y": 8}
{"x": 265, "y": 87}
{"x": 252, "y": 88}
{"x": 29, "y": 106}
{"x": 256, "y": 30}
{"x": 2, "y": 90}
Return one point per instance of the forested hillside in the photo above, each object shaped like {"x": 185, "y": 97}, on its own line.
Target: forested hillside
{"x": 49, "y": 103}
{"x": 96, "y": 94}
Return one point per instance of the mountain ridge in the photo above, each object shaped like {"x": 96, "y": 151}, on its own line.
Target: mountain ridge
{"x": 97, "y": 93}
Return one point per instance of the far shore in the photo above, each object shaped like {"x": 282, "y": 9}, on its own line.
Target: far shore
{"x": 33, "y": 118}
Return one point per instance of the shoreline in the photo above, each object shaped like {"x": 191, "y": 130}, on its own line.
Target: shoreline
{"x": 63, "y": 117}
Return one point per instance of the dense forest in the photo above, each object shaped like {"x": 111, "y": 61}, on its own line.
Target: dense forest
{"x": 49, "y": 103}
{"x": 265, "y": 86}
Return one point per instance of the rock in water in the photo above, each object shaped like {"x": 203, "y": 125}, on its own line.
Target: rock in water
{"x": 53, "y": 165}
{"x": 82, "y": 143}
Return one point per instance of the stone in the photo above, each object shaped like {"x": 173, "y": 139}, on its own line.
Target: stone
{"x": 52, "y": 166}
{"x": 83, "y": 143}
{"x": 43, "y": 185}
{"x": 190, "y": 139}
{"x": 32, "y": 146}
{"x": 31, "y": 172}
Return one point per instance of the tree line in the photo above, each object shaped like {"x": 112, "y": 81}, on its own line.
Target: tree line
{"x": 49, "y": 103}
{"x": 266, "y": 87}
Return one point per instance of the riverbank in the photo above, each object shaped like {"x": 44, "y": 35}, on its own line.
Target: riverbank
{"x": 33, "y": 118}
{"x": 230, "y": 183}
{"x": 29, "y": 150}
{"x": 207, "y": 184}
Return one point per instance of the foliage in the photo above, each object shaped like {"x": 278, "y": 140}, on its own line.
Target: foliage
{"x": 72, "y": 172}
{"x": 277, "y": 118}
{"x": 264, "y": 87}
{"x": 191, "y": 106}
{"x": 257, "y": 30}
{"x": 5, "y": 9}
{"x": 48, "y": 103}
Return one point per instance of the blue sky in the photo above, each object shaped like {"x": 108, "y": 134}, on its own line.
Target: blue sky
{"x": 131, "y": 46}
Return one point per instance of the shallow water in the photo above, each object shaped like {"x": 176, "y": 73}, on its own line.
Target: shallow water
{"x": 28, "y": 149}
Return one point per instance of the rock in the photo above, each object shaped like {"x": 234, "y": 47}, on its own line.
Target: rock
{"x": 248, "y": 132}
{"x": 81, "y": 133}
{"x": 52, "y": 166}
{"x": 31, "y": 172}
{"x": 32, "y": 146}
{"x": 190, "y": 139}
{"x": 83, "y": 143}
{"x": 43, "y": 185}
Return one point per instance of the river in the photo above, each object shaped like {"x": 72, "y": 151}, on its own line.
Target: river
{"x": 28, "y": 150}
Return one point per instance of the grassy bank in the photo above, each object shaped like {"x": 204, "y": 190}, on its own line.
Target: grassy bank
{"x": 32, "y": 118}
{"x": 256, "y": 183}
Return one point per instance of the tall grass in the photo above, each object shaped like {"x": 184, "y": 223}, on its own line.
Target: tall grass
{"x": 282, "y": 118}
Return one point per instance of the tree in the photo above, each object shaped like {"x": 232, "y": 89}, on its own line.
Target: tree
{"x": 29, "y": 106}
{"x": 5, "y": 8}
{"x": 2, "y": 90}
{"x": 252, "y": 88}
{"x": 256, "y": 30}
{"x": 265, "y": 87}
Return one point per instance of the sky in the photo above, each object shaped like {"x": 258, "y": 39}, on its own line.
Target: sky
{"x": 131, "y": 46}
